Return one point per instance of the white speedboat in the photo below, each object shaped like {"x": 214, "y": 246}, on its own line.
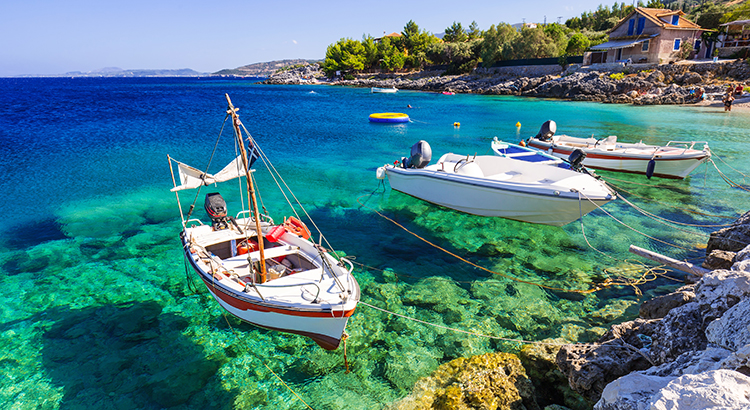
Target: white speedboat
{"x": 491, "y": 185}
{"x": 383, "y": 90}
{"x": 524, "y": 153}
{"x": 267, "y": 274}
{"x": 675, "y": 160}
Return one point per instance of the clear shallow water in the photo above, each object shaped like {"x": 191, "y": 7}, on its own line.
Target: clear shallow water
{"x": 96, "y": 308}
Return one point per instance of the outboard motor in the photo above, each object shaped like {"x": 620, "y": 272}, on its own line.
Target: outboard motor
{"x": 576, "y": 159}
{"x": 421, "y": 155}
{"x": 547, "y": 131}
{"x": 216, "y": 208}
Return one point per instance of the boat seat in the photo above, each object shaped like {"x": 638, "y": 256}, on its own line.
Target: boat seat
{"x": 504, "y": 176}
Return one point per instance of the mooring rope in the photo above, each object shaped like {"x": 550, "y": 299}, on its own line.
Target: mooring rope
{"x": 609, "y": 282}
{"x": 727, "y": 180}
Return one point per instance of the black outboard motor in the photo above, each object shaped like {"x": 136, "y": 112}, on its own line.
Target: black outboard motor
{"x": 547, "y": 131}
{"x": 216, "y": 208}
{"x": 576, "y": 159}
{"x": 421, "y": 155}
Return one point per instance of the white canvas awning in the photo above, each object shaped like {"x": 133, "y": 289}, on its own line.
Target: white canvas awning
{"x": 615, "y": 44}
{"x": 737, "y": 23}
{"x": 191, "y": 177}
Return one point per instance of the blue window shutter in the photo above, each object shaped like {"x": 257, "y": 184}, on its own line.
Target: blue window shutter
{"x": 675, "y": 20}
{"x": 641, "y": 24}
{"x": 631, "y": 25}
{"x": 676, "y": 44}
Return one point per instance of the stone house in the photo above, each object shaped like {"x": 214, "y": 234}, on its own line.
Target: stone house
{"x": 649, "y": 36}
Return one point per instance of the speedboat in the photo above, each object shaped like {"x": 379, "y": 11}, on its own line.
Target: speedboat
{"x": 675, "y": 160}
{"x": 524, "y": 153}
{"x": 491, "y": 185}
{"x": 383, "y": 90}
{"x": 267, "y": 274}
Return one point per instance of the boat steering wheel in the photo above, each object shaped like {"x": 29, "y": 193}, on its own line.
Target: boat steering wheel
{"x": 599, "y": 140}
{"x": 455, "y": 167}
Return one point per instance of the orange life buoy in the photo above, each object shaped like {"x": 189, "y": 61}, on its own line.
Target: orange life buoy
{"x": 297, "y": 227}
{"x": 247, "y": 246}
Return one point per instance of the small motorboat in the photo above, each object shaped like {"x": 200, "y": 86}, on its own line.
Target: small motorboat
{"x": 267, "y": 274}
{"x": 493, "y": 185}
{"x": 384, "y": 90}
{"x": 448, "y": 93}
{"x": 524, "y": 153}
{"x": 675, "y": 160}
{"x": 389, "y": 117}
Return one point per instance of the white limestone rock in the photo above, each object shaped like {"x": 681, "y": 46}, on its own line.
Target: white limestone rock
{"x": 732, "y": 329}
{"x": 714, "y": 389}
{"x": 738, "y": 361}
{"x": 631, "y": 392}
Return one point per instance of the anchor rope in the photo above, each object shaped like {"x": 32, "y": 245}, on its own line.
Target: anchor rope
{"x": 596, "y": 287}
{"x": 727, "y": 179}
{"x": 631, "y": 193}
{"x": 609, "y": 343}
{"x": 635, "y": 230}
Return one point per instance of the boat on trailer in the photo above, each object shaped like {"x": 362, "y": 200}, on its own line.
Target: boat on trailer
{"x": 491, "y": 185}
{"x": 267, "y": 274}
{"x": 675, "y": 160}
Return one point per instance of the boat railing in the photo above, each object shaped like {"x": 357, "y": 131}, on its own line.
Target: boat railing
{"x": 687, "y": 145}
{"x": 185, "y": 223}
{"x": 263, "y": 217}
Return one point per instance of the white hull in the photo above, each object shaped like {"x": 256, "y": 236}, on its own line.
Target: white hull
{"x": 308, "y": 303}
{"x": 670, "y": 161}
{"x": 383, "y": 90}
{"x": 523, "y": 191}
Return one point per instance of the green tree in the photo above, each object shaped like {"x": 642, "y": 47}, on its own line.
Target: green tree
{"x": 474, "y": 31}
{"x": 345, "y": 55}
{"x": 739, "y": 12}
{"x": 370, "y": 51}
{"x": 556, "y": 34}
{"x": 577, "y": 44}
{"x": 455, "y": 34}
{"x": 416, "y": 43}
{"x": 533, "y": 43}
{"x": 708, "y": 15}
{"x": 655, "y": 4}
{"x": 390, "y": 57}
{"x": 498, "y": 44}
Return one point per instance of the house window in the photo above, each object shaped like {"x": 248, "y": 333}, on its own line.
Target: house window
{"x": 676, "y": 44}
{"x": 644, "y": 45}
{"x": 631, "y": 26}
{"x": 641, "y": 24}
{"x": 675, "y": 20}
{"x": 697, "y": 45}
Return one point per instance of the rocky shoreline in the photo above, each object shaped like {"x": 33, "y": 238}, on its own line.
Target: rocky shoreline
{"x": 639, "y": 84}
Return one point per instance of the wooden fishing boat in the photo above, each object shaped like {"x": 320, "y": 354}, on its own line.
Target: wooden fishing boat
{"x": 675, "y": 160}
{"x": 267, "y": 274}
{"x": 491, "y": 185}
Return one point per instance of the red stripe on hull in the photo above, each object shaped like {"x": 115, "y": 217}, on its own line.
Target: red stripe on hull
{"x": 240, "y": 304}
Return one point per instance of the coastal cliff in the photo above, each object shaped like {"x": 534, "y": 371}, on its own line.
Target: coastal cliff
{"x": 636, "y": 84}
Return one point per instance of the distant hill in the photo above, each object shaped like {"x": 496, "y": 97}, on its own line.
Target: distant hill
{"x": 263, "y": 69}
{"x": 119, "y": 72}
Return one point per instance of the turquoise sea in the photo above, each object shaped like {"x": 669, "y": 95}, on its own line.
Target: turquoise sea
{"x": 98, "y": 311}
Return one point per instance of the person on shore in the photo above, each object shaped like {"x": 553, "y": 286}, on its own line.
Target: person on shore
{"x": 699, "y": 94}
{"x": 738, "y": 90}
{"x": 728, "y": 98}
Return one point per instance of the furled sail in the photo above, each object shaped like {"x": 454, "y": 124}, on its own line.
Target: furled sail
{"x": 191, "y": 177}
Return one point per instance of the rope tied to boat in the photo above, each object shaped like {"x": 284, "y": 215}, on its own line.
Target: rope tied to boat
{"x": 609, "y": 282}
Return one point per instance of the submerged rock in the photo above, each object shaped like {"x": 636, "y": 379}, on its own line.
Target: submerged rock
{"x": 488, "y": 381}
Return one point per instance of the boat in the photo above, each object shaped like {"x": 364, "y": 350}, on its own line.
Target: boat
{"x": 269, "y": 274}
{"x": 675, "y": 160}
{"x": 389, "y": 117}
{"x": 496, "y": 186}
{"x": 383, "y": 90}
{"x": 524, "y": 153}
{"x": 448, "y": 93}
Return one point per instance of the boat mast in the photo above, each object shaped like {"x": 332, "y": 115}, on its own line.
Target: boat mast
{"x": 250, "y": 188}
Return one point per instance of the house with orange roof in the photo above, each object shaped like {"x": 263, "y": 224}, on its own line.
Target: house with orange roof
{"x": 649, "y": 35}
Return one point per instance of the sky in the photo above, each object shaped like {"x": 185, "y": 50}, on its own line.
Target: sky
{"x": 47, "y": 37}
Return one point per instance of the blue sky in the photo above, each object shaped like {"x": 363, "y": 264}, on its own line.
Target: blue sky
{"x": 59, "y": 36}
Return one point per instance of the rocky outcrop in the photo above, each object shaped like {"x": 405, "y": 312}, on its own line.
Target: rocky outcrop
{"x": 682, "y": 346}
{"x": 657, "y": 84}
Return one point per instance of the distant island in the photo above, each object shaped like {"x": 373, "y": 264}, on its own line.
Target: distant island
{"x": 263, "y": 69}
